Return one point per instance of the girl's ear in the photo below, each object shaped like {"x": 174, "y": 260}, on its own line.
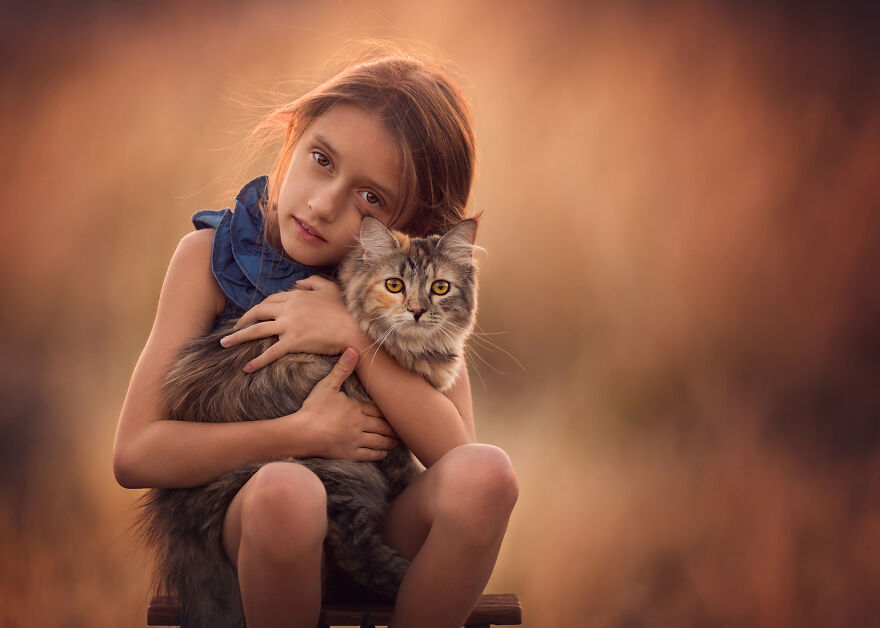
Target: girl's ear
{"x": 458, "y": 243}
{"x": 375, "y": 238}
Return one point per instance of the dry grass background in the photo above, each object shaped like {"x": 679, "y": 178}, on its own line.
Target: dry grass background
{"x": 681, "y": 214}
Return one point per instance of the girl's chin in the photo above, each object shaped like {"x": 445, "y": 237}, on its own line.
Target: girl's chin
{"x": 308, "y": 254}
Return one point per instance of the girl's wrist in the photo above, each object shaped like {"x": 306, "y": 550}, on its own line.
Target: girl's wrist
{"x": 358, "y": 340}
{"x": 295, "y": 436}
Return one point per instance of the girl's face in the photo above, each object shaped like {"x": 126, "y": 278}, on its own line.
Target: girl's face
{"x": 343, "y": 168}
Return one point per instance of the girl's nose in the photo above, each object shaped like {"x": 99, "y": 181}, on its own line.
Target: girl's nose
{"x": 322, "y": 206}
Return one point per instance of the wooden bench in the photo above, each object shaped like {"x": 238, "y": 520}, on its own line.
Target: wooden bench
{"x": 492, "y": 609}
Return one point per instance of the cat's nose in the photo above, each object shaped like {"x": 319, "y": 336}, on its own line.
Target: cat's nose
{"x": 416, "y": 312}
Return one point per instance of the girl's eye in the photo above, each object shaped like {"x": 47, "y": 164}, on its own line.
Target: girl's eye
{"x": 371, "y": 197}
{"x": 321, "y": 159}
{"x": 440, "y": 287}
{"x": 394, "y": 284}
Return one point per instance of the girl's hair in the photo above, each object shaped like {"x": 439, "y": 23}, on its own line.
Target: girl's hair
{"x": 425, "y": 112}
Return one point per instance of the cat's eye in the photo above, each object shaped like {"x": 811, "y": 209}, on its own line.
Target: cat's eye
{"x": 440, "y": 287}
{"x": 394, "y": 284}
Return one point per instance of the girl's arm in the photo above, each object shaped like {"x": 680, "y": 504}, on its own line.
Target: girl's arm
{"x": 429, "y": 422}
{"x": 152, "y": 451}
{"x": 315, "y": 320}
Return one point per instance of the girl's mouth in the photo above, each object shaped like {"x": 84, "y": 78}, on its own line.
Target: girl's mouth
{"x": 307, "y": 232}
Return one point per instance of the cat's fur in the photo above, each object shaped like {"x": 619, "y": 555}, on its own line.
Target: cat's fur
{"x": 207, "y": 384}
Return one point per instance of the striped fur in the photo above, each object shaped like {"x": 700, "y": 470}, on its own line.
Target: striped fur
{"x": 184, "y": 526}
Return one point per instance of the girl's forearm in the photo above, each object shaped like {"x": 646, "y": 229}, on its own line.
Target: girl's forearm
{"x": 179, "y": 454}
{"x": 426, "y": 420}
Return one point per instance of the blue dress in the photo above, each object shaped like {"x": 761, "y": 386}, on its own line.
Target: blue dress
{"x": 247, "y": 268}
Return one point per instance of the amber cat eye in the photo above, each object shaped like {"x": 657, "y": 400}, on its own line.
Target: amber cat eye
{"x": 394, "y": 284}
{"x": 440, "y": 287}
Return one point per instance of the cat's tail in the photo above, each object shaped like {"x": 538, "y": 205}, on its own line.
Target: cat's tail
{"x": 184, "y": 528}
{"x": 357, "y": 496}
{"x": 374, "y": 565}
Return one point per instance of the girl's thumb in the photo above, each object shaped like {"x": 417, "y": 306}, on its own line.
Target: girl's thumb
{"x": 349, "y": 357}
{"x": 343, "y": 368}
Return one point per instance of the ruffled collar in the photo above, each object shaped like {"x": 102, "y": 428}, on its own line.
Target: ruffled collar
{"x": 247, "y": 267}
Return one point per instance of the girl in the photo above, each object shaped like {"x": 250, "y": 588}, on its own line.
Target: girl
{"x": 392, "y": 139}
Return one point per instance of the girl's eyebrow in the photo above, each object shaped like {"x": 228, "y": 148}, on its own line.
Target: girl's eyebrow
{"x": 320, "y": 139}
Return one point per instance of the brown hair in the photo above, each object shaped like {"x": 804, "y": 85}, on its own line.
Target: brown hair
{"x": 425, "y": 112}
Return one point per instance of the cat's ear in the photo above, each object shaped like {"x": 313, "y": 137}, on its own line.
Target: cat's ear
{"x": 375, "y": 238}
{"x": 458, "y": 243}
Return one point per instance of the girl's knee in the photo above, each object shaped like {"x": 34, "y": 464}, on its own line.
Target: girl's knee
{"x": 477, "y": 486}
{"x": 285, "y": 508}
{"x": 485, "y": 469}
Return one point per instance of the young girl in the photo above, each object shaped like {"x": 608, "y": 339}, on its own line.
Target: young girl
{"x": 392, "y": 139}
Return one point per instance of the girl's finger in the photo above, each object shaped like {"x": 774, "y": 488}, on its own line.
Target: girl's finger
{"x": 315, "y": 282}
{"x": 280, "y": 297}
{"x": 341, "y": 370}
{"x": 260, "y": 330}
{"x": 377, "y": 441}
{"x": 377, "y": 426}
{"x": 275, "y": 297}
{"x": 362, "y": 453}
{"x": 371, "y": 409}
{"x": 246, "y": 319}
{"x": 260, "y": 312}
{"x": 267, "y": 357}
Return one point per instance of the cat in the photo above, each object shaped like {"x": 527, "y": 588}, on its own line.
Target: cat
{"x": 385, "y": 274}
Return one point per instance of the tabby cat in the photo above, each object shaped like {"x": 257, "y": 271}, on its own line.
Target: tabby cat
{"x": 416, "y": 297}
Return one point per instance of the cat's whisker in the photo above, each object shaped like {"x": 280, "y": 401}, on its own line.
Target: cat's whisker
{"x": 479, "y": 330}
{"x": 378, "y": 343}
{"x": 444, "y": 326}
{"x": 476, "y": 368}
{"x": 481, "y": 334}
{"x": 370, "y": 346}
{"x": 484, "y": 361}
{"x": 482, "y": 381}
{"x": 467, "y": 351}
{"x": 446, "y": 333}
{"x": 488, "y": 344}
{"x": 382, "y": 341}
{"x": 471, "y": 350}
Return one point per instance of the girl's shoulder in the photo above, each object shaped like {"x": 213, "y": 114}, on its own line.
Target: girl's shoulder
{"x": 193, "y": 255}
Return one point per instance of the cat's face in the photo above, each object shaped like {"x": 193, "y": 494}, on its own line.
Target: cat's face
{"x": 413, "y": 288}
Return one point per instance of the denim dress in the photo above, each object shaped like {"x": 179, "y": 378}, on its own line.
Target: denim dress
{"x": 247, "y": 268}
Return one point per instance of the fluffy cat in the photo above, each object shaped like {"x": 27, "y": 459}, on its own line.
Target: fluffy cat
{"x": 416, "y": 297}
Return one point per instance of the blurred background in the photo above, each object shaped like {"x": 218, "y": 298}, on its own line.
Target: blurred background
{"x": 681, "y": 217}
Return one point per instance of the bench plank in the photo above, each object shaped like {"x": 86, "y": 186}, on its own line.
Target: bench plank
{"x": 498, "y": 609}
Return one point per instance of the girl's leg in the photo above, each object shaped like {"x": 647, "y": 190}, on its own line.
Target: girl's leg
{"x": 274, "y": 533}
{"x": 450, "y": 522}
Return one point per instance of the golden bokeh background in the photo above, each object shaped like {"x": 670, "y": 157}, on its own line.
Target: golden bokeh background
{"x": 681, "y": 217}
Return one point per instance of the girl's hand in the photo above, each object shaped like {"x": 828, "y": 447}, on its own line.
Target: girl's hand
{"x": 311, "y": 319}
{"x": 339, "y": 427}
